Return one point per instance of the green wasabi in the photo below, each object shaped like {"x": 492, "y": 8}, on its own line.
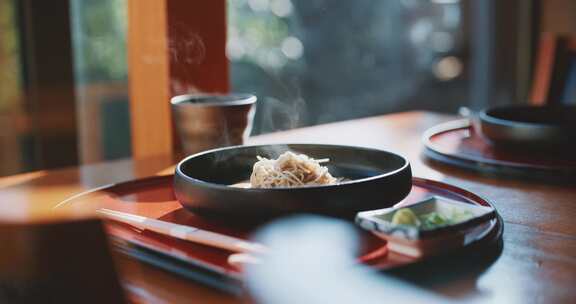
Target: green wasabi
{"x": 405, "y": 216}
{"x": 432, "y": 220}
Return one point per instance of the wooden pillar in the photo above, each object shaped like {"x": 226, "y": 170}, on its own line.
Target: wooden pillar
{"x": 174, "y": 47}
{"x": 49, "y": 81}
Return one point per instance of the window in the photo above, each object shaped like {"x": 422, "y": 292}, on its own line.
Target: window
{"x": 100, "y": 72}
{"x": 13, "y": 122}
{"x": 320, "y": 61}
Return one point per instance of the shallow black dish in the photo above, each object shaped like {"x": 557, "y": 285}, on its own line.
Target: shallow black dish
{"x": 376, "y": 179}
{"x": 529, "y": 126}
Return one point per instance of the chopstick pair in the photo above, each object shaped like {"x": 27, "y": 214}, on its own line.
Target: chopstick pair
{"x": 183, "y": 232}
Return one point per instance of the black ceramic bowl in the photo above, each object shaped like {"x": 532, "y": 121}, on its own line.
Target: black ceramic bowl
{"x": 529, "y": 126}
{"x": 375, "y": 179}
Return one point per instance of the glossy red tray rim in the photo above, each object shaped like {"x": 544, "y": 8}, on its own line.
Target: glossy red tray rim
{"x": 493, "y": 234}
{"x": 465, "y": 124}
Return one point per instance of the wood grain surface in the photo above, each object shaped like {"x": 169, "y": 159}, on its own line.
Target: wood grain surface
{"x": 537, "y": 262}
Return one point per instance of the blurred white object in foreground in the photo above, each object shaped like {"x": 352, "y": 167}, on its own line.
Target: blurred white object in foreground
{"x": 312, "y": 260}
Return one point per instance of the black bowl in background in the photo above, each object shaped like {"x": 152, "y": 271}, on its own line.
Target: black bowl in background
{"x": 548, "y": 127}
{"x": 377, "y": 179}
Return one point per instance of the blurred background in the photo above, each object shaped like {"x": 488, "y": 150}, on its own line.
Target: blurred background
{"x": 64, "y": 96}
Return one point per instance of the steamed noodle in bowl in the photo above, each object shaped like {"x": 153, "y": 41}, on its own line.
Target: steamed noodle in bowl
{"x": 290, "y": 170}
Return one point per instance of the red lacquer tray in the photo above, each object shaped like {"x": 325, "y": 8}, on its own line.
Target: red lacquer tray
{"x": 455, "y": 143}
{"x": 153, "y": 197}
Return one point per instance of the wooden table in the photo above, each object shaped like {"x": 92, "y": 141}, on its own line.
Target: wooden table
{"x": 537, "y": 263}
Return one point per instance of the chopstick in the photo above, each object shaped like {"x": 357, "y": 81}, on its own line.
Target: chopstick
{"x": 183, "y": 232}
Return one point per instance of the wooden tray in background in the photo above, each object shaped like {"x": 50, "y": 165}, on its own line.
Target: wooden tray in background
{"x": 456, "y": 144}
{"x": 153, "y": 197}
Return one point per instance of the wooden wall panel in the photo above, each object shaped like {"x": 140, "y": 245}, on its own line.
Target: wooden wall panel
{"x": 558, "y": 16}
{"x": 197, "y": 46}
{"x": 49, "y": 81}
{"x": 174, "y": 47}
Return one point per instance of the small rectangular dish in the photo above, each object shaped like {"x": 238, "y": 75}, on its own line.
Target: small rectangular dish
{"x": 427, "y": 227}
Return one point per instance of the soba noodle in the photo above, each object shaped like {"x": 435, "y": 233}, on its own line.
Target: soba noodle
{"x": 290, "y": 170}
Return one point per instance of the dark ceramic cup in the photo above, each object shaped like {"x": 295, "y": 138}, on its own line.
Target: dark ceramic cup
{"x": 205, "y": 121}
{"x": 529, "y": 128}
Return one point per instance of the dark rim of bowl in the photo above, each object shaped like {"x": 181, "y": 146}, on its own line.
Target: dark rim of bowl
{"x": 486, "y": 116}
{"x": 351, "y": 182}
{"x": 226, "y": 100}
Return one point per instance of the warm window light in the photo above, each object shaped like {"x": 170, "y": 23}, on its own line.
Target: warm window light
{"x": 273, "y": 59}
{"x": 292, "y": 47}
{"x": 448, "y": 68}
{"x": 259, "y": 5}
{"x": 235, "y": 48}
{"x": 281, "y": 8}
